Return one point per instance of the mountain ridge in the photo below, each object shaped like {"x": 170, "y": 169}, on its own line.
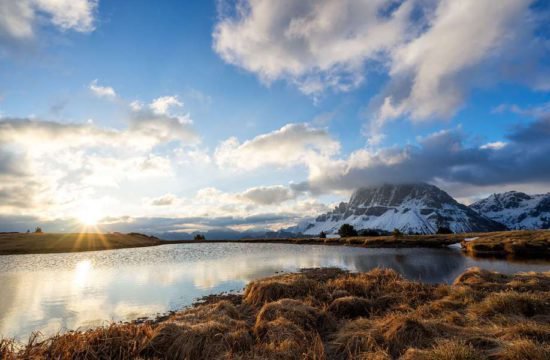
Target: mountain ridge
{"x": 412, "y": 208}
{"x": 517, "y": 210}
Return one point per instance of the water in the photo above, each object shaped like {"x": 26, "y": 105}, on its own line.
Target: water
{"x": 57, "y": 292}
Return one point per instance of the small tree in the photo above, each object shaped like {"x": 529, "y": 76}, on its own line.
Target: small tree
{"x": 396, "y": 233}
{"x": 444, "y": 230}
{"x": 199, "y": 237}
{"x": 323, "y": 235}
{"x": 347, "y": 230}
{"x": 28, "y": 231}
{"x": 38, "y": 230}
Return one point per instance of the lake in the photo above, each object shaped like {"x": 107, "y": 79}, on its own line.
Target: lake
{"x": 57, "y": 292}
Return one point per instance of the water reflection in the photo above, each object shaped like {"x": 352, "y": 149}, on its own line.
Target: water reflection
{"x": 66, "y": 291}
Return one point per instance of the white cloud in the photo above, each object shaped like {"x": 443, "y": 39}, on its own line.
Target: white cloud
{"x": 163, "y": 104}
{"x": 70, "y": 163}
{"x": 18, "y": 18}
{"x": 69, "y": 14}
{"x": 164, "y": 200}
{"x": 316, "y": 44}
{"x": 102, "y": 91}
{"x": 493, "y": 145}
{"x": 434, "y": 52}
{"x": 291, "y": 145}
{"x": 433, "y": 73}
{"x": 267, "y": 195}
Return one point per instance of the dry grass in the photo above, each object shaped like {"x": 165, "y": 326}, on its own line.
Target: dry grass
{"x": 524, "y": 243}
{"x": 331, "y": 314}
{"x": 520, "y": 243}
{"x": 33, "y": 243}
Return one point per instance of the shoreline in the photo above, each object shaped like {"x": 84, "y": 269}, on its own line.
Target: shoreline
{"x": 325, "y": 313}
{"x": 517, "y": 244}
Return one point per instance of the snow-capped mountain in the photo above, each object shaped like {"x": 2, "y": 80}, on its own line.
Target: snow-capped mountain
{"x": 516, "y": 210}
{"x": 411, "y": 208}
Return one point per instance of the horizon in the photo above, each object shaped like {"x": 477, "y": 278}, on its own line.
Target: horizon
{"x": 248, "y": 115}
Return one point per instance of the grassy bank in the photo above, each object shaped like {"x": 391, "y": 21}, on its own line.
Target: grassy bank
{"x": 519, "y": 244}
{"x": 37, "y": 243}
{"x": 331, "y": 314}
{"x": 525, "y": 243}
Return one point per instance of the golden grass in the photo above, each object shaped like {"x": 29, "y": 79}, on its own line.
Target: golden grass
{"x": 518, "y": 243}
{"x": 332, "y": 314}
{"x": 38, "y": 243}
{"x": 524, "y": 243}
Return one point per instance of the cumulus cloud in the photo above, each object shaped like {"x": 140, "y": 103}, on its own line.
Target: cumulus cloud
{"x": 267, "y": 195}
{"x": 164, "y": 200}
{"x": 537, "y": 111}
{"x": 291, "y": 145}
{"x": 102, "y": 91}
{"x": 162, "y": 104}
{"x": 432, "y": 74}
{"x": 71, "y": 161}
{"x": 425, "y": 47}
{"x": 444, "y": 157}
{"x": 317, "y": 44}
{"x": 18, "y": 19}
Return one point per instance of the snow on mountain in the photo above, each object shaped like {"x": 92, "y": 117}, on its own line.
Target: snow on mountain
{"x": 516, "y": 210}
{"x": 411, "y": 208}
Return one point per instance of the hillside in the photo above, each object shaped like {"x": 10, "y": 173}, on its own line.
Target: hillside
{"x": 33, "y": 243}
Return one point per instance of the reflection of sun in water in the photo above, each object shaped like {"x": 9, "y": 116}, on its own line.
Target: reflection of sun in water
{"x": 82, "y": 272}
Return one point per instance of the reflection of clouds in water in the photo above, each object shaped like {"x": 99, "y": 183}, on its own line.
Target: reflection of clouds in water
{"x": 67, "y": 291}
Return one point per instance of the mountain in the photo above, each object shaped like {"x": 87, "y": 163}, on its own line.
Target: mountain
{"x": 516, "y": 210}
{"x": 411, "y": 208}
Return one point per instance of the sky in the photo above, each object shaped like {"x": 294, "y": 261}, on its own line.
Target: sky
{"x": 180, "y": 116}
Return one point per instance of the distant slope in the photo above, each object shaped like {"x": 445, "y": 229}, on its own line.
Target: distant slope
{"x": 22, "y": 243}
{"x": 516, "y": 210}
{"x": 411, "y": 208}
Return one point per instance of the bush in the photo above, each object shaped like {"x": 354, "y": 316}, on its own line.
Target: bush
{"x": 396, "y": 233}
{"x": 444, "y": 230}
{"x": 199, "y": 237}
{"x": 347, "y": 230}
{"x": 38, "y": 230}
{"x": 369, "y": 232}
{"x": 322, "y": 235}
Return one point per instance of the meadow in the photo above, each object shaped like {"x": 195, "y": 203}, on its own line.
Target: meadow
{"x": 42, "y": 243}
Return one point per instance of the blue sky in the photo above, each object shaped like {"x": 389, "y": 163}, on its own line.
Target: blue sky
{"x": 197, "y": 111}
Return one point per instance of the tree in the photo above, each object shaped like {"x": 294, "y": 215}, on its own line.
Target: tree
{"x": 38, "y": 230}
{"x": 323, "y": 235}
{"x": 199, "y": 237}
{"x": 396, "y": 233}
{"x": 444, "y": 230}
{"x": 347, "y": 230}
{"x": 28, "y": 231}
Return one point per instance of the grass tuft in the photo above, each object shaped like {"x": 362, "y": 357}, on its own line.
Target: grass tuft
{"x": 331, "y": 314}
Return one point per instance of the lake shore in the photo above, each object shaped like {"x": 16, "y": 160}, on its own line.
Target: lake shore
{"x": 512, "y": 244}
{"x": 47, "y": 243}
{"x": 332, "y": 314}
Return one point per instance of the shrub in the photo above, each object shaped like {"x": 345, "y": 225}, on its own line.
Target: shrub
{"x": 322, "y": 235}
{"x": 396, "y": 233}
{"x": 347, "y": 230}
{"x": 38, "y": 230}
{"x": 199, "y": 237}
{"x": 369, "y": 232}
{"x": 444, "y": 230}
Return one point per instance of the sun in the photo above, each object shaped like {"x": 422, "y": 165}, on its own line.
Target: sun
{"x": 89, "y": 217}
